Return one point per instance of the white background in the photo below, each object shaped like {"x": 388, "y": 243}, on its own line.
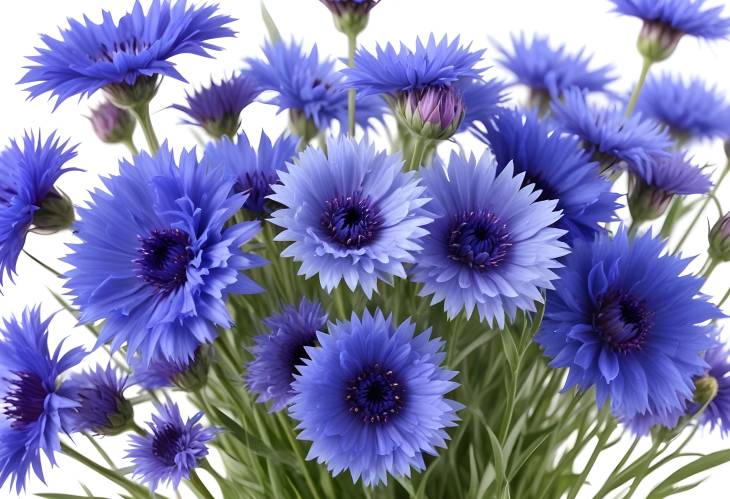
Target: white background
{"x": 578, "y": 23}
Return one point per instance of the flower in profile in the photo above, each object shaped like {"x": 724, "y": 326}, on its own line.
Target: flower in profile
{"x": 101, "y": 407}
{"x": 217, "y": 108}
{"x": 172, "y": 449}
{"x": 627, "y": 320}
{"x": 361, "y": 221}
{"x": 492, "y": 245}
{"x": 557, "y": 167}
{"x": 689, "y": 109}
{"x": 717, "y": 412}
{"x": 277, "y": 354}
{"x": 188, "y": 375}
{"x": 34, "y": 404}
{"x": 610, "y": 137}
{"x": 371, "y": 398}
{"x": 310, "y": 89}
{"x": 255, "y": 170}
{"x": 111, "y": 124}
{"x": 29, "y": 200}
{"x": 425, "y": 86}
{"x": 650, "y": 194}
{"x": 127, "y": 57}
{"x": 549, "y": 72}
{"x": 156, "y": 258}
{"x": 667, "y": 21}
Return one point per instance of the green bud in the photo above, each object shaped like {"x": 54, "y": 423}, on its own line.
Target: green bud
{"x": 434, "y": 113}
{"x": 657, "y": 41}
{"x": 195, "y": 376}
{"x": 55, "y": 214}
{"x": 140, "y": 93}
{"x": 646, "y": 202}
{"x": 227, "y": 125}
{"x": 119, "y": 421}
{"x": 112, "y": 124}
{"x": 720, "y": 240}
{"x": 705, "y": 390}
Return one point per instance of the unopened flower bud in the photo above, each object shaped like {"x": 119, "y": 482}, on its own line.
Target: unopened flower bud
{"x": 112, "y": 124}
{"x": 647, "y": 202}
{"x": 55, "y": 214}
{"x": 350, "y": 16}
{"x": 706, "y": 389}
{"x": 434, "y": 113}
{"x": 657, "y": 41}
{"x": 195, "y": 375}
{"x": 720, "y": 240}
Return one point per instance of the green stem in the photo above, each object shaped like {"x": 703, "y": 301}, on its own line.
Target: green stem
{"x": 602, "y": 438}
{"x": 45, "y": 266}
{"x": 142, "y": 113}
{"x": 724, "y": 298}
{"x": 351, "y": 94}
{"x": 703, "y": 207}
{"x": 605, "y": 488}
{"x": 419, "y": 151}
{"x": 130, "y": 145}
{"x": 198, "y": 486}
{"x": 710, "y": 269}
{"x": 634, "y": 227}
{"x": 137, "y": 429}
{"x": 639, "y": 85}
{"x": 644, "y": 468}
{"x": 101, "y": 451}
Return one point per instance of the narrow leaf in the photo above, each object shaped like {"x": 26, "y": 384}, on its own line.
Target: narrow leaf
{"x": 695, "y": 467}
{"x": 274, "y": 35}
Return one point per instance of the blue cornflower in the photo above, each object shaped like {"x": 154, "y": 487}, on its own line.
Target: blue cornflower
{"x": 277, "y": 354}
{"x": 717, "y": 412}
{"x": 557, "y": 166}
{"x": 172, "y": 450}
{"x": 691, "y": 110}
{"x": 610, "y": 137}
{"x": 651, "y": 192}
{"x": 482, "y": 100}
{"x": 360, "y": 221}
{"x": 217, "y": 108}
{"x": 626, "y": 320}
{"x": 100, "y": 403}
{"x": 254, "y": 171}
{"x": 34, "y": 404}
{"x": 371, "y": 398}
{"x": 130, "y": 53}
{"x": 156, "y": 258}
{"x": 491, "y": 246}
{"x": 29, "y": 200}
{"x": 310, "y": 89}
{"x": 548, "y": 72}
{"x": 426, "y": 86}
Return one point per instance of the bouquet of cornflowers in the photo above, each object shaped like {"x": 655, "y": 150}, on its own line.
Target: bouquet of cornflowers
{"x": 312, "y": 316}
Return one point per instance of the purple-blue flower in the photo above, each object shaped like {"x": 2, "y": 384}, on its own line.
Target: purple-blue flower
{"x": 557, "y": 166}
{"x": 361, "y": 220}
{"x": 160, "y": 372}
{"x": 492, "y": 245}
{"x": 255, "y": 170}
{"x": 690, "y": 109}
{"x": 277, "y": 353}
{"x": 29, "y": 200}
{"x": 111, "y": 124}
{"x": 549, "y": 72}
{"x": 91, "y": 56}
{"x": 629, "y": 321}
{"x": 345, "y": 7}
{"x": 172, "y": 449}
{"x": 34, "y": 404}
{"x": 371, "y": 398}
{"x": 101, "y": 407}
{"x": 308, "y": 87}
{"x": 717, "y": 412}
{"x": 217, "y": 108}
{"x": 157, "y": 258}
{"x": 609, "y": 136}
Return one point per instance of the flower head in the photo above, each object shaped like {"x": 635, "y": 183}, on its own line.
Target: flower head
{"x": 310, "y": 89}
{"x": 626, "y": 320}
{"x": 613, "y": 139}
{"x": 100, "y": 403}
{"x": 34, "y": 404}
{"x": 255, "y": 171}
{"x": 217, "y": 108}
{"x": 557, "y": 167}
{"x": 549, "y": 72}
{"x": 689, "y": 109}
{"x": 492, "y": 245}
{"x": 371, "y": 398}
{"x": 651, "y": 191}
{"x": 112, "y": 124}
{"x": 160, "y": 372}
{"x": 361, "y": 221}
{"x": 717, "y": 412}
{"x": 278, "y": 353}
{"x": 172, "y": 449}
{"x": 118, "y": 56}
{"x": 156, "y": 258}
{"x": 29, "y": 200}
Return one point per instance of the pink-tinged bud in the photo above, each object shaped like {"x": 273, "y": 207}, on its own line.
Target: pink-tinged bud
{"x": 647, "y": 202}
{"x": 112, "y": 124}
{"x": 435, "y": 113}
{"x": 720, "y": 240}
{"x": 657, "y": 41}
{"x": 351, "y": 16}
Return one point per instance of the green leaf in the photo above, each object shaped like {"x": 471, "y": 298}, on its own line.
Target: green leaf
{"x": 525, "y": 456}
{"x": 66, "y": 496}
{"x": 695, "y": 467}
{"x": 274, "y": 35}
{"x": 499, "y": 465}
{"x": 510, "y": 349}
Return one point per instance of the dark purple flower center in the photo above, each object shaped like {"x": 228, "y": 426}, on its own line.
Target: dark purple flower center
{"x": 164, "y": 258}
{"x": 109, "y": 52}
{"x": 166, "y": 444}
{"x": 623, "y": 321}
{"x": 298, "y": 353}
{"x": 353, "y": 221}
{"x": 257, "y": 185}
{"x": 375, "y": 395}
{"x": 24, "y": 400}
{"x": 479, "y": 240}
